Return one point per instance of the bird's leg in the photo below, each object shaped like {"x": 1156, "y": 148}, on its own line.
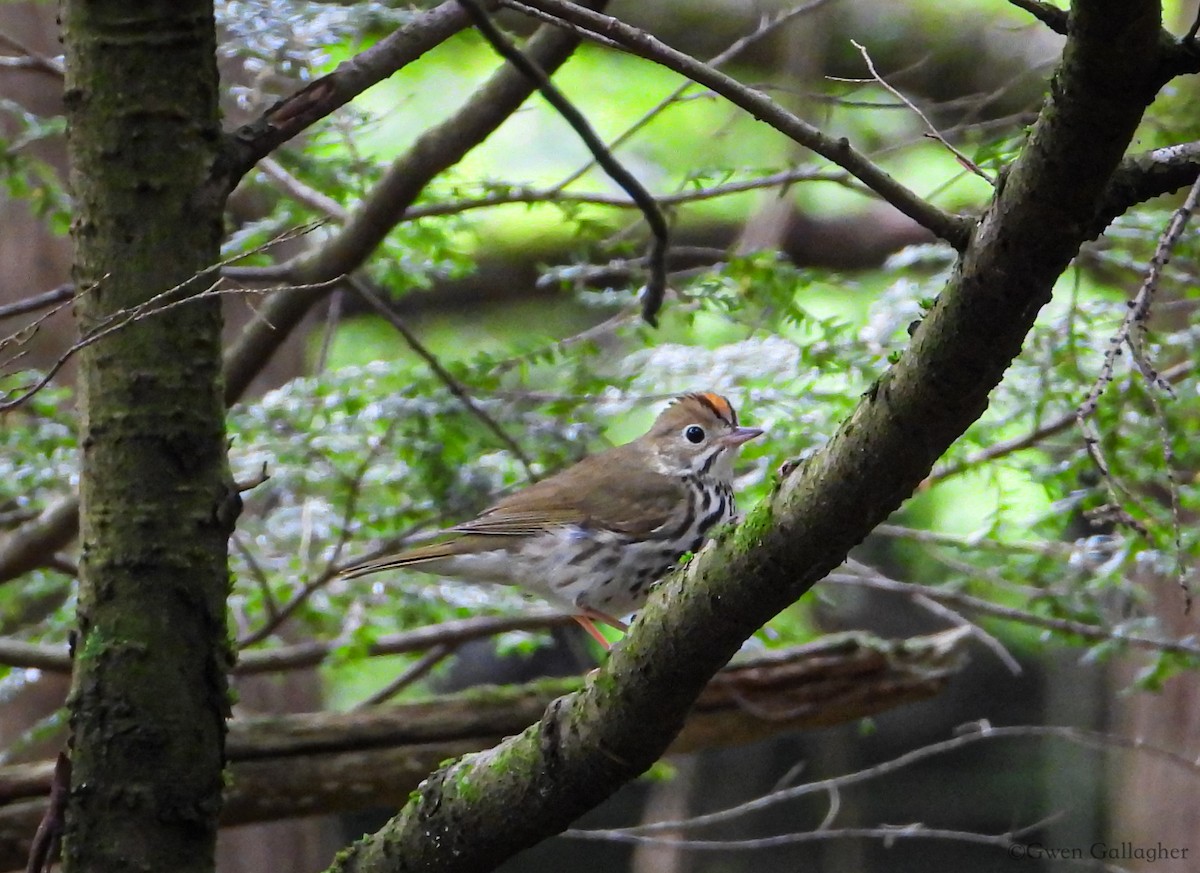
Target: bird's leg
{"x": 586, "y": 616}
{"x": 593, "y": 631}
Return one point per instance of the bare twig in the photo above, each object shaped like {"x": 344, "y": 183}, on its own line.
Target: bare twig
{"x": 1095, "y": 633}
{"x": 967, "y": 735}
{"x": 54, "y": 297}
{"x": 29, "y": 59}
{"x": 303, "y": 194}
{"x": 452, "y": 384}
{"x": 694, "y": 195}
{"x": 114, "y": 321}
{"x": 933, "y": 132}
{"x": 976, "y": 542}
{"x": 656, "y": 283}
{"x": 1054, "y": 18}
{"x": 888, "y": 835}
{"x": 121, "y": 319}
{"x": 50, "y": 829}
{"x": 415, "y": 671}
{"x": 952, "y": 228}
{"x": 1131, "y": 334}
{"x": 942, "y": 611}
{"x": 260, "y": 577}
{"x": 767, "y": 26}
{"x": 1039, "y": 434}
{"x": 54, "y": 658}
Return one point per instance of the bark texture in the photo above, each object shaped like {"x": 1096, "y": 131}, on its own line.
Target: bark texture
{"x": 148, "y": 696}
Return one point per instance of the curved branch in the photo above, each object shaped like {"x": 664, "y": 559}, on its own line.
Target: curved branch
{"x": 34, "y": 543}
{"x": 1051, "y": 16}
{"x": 251, "y": 142}
{"x": 1147, "y": 175}
{"x": 472, "y": 813}
{"x": 953, "y": 229}
{"x": 656, "y": 284}
{"x": 436, "y": 150}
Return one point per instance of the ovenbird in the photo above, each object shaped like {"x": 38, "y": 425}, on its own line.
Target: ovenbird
{"x": 595, "y": 536}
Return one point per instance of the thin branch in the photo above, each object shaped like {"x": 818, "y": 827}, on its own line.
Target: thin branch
{"x": 1131, "y": 335}
{"x": 1060, "y": 424}
{"x": 952, "y": 228}
{"x": 254, "y": 141}
{"x": 1054, "y": 18}
{"x": 933, "y": 132}
{"x": 976, "y": 542}
{"x": 303, "y": 194}
{"x": 123, "y": 318}
{"x": 276, "y": 617}
{"x": 656, "y": 283}
{"x": 767, "y": 26}
{"x": 54, "y": 658}
{"x": 694, "y": 195}
{"x": 1095, "y": 633}
{"x": 354, "y": 491}
{"x": 413, "y": 674}
{"x": 452, "y": 384}
{"x": 888, "y": 835}
{"x": 54, "y": 297}
{"x": 29, "y": 59}
{"x": 48, "y": 836}
{"x": 968, "y": 735}
{"x": 930, "y": 604}
{"x": 605, "y": 328}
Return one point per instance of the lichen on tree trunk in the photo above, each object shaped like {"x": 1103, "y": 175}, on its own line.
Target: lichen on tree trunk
{"x": 148, "y": 697}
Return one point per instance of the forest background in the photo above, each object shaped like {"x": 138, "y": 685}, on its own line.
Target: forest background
{"x": 430, "y": 295}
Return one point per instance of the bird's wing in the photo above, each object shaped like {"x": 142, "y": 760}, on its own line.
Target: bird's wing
{"x": 500, "y": 521}
{"x": 591, "y": 494}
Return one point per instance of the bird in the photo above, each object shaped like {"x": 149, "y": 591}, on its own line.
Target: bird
{"x": 594, "y": 537}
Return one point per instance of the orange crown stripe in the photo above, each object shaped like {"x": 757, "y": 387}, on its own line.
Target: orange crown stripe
{"x": 719, "y": 405}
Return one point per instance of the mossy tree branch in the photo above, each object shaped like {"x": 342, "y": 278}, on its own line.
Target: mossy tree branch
{"x": 475, "y": 812}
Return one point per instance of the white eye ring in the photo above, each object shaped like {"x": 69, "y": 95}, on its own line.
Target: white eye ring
{"x": 694, "y": 433}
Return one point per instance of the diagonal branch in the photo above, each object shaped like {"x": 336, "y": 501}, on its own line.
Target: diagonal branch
{"x": 251, "y": 142}
{"x": 952, "y": 228}
{"x": 438, "y": 149}
{"x": 473, "y": 813}
{"x": 1048, "y": 14}
{"x": 656, "y": 285}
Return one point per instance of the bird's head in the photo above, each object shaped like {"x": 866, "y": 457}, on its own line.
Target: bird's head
{"x": 698, "y": 434}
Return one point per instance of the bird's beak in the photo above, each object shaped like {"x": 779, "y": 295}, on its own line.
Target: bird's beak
{"x": 742, "y": 435}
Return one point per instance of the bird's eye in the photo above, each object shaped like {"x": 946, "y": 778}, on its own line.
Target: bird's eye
{"x": 694, "y": 434}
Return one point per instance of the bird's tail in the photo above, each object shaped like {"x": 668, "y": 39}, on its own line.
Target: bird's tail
{"x": 407, "y": 558}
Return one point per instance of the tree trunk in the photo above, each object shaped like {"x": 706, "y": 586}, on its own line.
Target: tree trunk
{"x": 148, "y": 697}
